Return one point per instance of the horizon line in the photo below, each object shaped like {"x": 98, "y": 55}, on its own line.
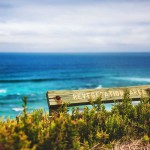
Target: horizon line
{"x": 80, "y": 52}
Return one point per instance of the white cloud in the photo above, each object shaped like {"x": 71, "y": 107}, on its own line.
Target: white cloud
{"x": 103, "y": 26}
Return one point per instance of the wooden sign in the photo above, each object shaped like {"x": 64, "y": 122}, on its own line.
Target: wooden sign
{"x": 82, "y": 97}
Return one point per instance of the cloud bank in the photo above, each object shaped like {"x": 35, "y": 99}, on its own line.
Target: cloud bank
{"x": 68, "y": 26}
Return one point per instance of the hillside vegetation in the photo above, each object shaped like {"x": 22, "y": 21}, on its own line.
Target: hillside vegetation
{"x": 78, "y": 130}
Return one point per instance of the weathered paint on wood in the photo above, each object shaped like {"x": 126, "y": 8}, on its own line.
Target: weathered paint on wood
{"x": 82, "y": 97}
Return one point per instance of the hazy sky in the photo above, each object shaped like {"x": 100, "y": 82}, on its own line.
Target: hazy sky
{"x": 74, "y": 25}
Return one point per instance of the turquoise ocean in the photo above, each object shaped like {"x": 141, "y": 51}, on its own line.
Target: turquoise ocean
{"x": 33, "y": 74}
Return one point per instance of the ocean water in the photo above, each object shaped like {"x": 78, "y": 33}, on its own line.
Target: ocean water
{"x": 32, "y": 75}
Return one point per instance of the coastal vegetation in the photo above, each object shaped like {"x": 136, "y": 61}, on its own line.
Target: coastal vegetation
{"x": 78, "y": 130}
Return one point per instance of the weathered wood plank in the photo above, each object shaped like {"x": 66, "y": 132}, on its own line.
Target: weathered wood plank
{"x": 82, "y": 97}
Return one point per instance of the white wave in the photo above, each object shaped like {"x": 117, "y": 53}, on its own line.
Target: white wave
{"x": 18, "y": 93}
{"x": 17, "y": 108}
{"x": 3, "y": 91}
{"x": 136, "y": 79}
{"x": 99, "y": 87}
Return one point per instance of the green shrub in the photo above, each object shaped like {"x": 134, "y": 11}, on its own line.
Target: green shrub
{"x": 76, "y": 131}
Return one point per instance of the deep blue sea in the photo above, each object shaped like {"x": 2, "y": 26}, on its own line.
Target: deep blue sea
{"x": 32, "y": 75}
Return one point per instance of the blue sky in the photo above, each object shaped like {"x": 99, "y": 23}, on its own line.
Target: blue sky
{"x": 74, "y": 26}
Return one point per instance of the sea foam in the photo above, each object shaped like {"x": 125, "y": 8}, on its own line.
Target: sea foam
{"x": 136, "y": 79}
{"x": 3, "y": 91}
{"x": 99, "y": 87}
{"x": 17, "y": 108}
